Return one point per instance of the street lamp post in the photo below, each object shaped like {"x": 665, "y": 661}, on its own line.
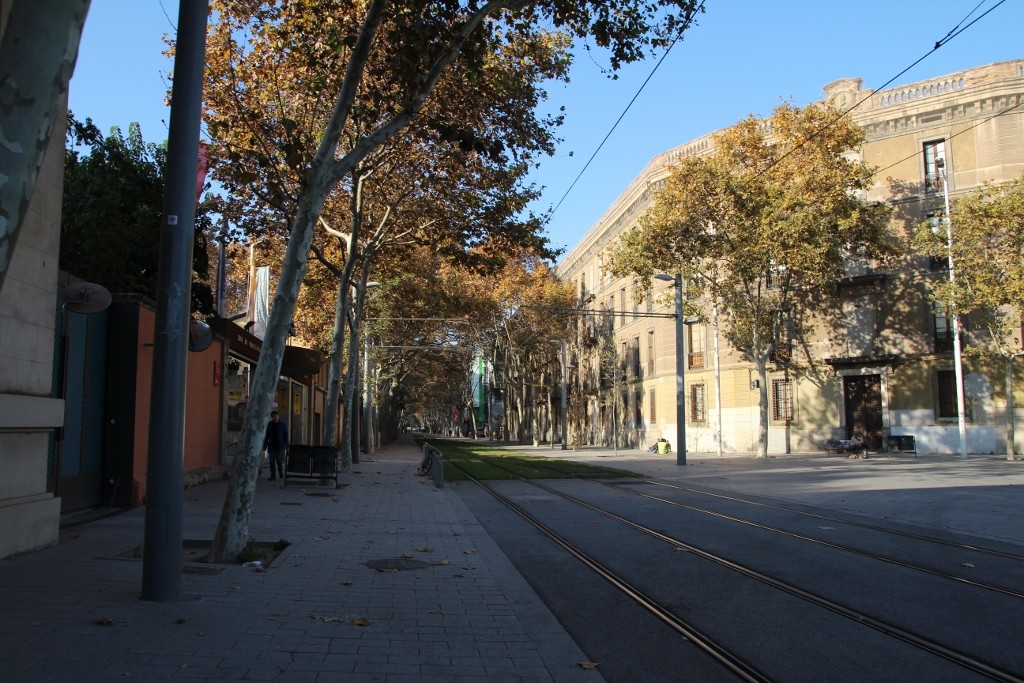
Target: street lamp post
{"x": 565, "y": 431}
{"x": 957, "y": 356}
{"x": 677, "y": 282}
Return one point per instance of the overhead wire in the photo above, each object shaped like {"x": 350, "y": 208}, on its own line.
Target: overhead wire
{"x": 953, "y": 33}
{"x": 950, "y": 35}
{"x": 686, "y": 24}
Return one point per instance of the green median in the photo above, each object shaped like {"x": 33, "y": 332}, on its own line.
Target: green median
{"x": 464, "y": 459}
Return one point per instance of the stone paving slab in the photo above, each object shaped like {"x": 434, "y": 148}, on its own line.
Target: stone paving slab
{"x": 319, "y": 613}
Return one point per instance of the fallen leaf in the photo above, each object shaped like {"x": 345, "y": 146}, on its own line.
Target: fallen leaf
{"x": 104, "y": 621}
{"x": 323, "y": 617}
{"x": 360, "y": 621}
{"x": 469, "y": 568}
{"x": 590, "y": 665}
{"x": 444, "y": 563}
{"x": 180, "y": 620}
{"x": 425, "y": 549}
{"x": 968, "y": 565}
{"x": 469, "y": 552}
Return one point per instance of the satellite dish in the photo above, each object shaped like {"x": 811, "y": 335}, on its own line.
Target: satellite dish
{"x": 200, "y": 336}
{"x": 84, "y": 297}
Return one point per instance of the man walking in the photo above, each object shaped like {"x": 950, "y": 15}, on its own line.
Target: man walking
{"x": 276, "y": 443}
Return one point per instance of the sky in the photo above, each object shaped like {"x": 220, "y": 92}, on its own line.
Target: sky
{"x": 743, "y": 57}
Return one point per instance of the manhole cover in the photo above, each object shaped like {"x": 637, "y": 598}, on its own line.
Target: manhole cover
{"x": 396, "y": 564}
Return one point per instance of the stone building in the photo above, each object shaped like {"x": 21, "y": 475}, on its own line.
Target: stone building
{"x": 888, "y": 373}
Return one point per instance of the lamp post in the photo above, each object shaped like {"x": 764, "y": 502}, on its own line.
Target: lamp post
{"x": 565, "y": 430}
{"x": 957, "y": 357}
{"x": 677, "y": 282}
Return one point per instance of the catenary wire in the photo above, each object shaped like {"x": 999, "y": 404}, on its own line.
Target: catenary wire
{"x": 686, "y": 24}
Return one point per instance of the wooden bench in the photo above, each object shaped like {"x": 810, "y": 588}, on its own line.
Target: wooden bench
{"x": 311, "y": 462}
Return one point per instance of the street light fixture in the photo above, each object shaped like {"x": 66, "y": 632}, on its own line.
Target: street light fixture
{"x": 677, "y": 282}
{"x": 564, "y": 407}
{"x": 957, "y": 356}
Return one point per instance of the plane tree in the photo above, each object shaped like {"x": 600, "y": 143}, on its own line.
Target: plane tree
{"x": 761, "y": 225}
{"x": 988, "y": 266}
{"x": 390, "y": 55}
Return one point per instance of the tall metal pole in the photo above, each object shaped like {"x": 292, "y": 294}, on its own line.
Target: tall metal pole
{"x": 957, "y": 356}
{"x": 565, "y": 410}
{"x": 161, "y": 557}
{"x": 680, "y": 369}
{"x": 677, "y": 282}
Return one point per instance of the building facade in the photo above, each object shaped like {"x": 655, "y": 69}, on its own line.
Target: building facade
{"x": 885, "y": 371}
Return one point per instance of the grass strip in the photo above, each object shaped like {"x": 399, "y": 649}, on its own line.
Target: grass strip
{"x": 493, "y": 462}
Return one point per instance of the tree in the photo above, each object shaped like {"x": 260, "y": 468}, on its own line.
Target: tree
{"x": 110, "y": 216}
{"x": 394, "y": 54}
{"x": 765, "y": 222}
{"x": 38, "y": 51}
{"x": 988, "y": 261}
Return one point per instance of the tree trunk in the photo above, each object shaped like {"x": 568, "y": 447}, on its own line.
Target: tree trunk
{"x": 38, "y": 51}
{"x": 349, "y": 428}
{"x": 232, "y": 532}
{"x": 762, "y": 406}
{"x": 334, "y": 374}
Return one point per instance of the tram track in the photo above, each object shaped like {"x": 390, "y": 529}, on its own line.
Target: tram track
{"x": 738, "y": 666}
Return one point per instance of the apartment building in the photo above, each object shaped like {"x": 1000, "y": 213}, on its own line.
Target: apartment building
{"x": 889, "y": 370}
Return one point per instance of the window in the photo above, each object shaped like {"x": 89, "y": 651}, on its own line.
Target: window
{"x": 783, "y": 351}
{"x": 650, "y": 352}
{"x": 636, "y": 300}
{"x": 938, "y": 261}
{"x": 695, "y": 342}
{"x": 947, "y": 409}
{"x": 943, "y": 332}
{"x": 933, "y": 151}
{"x": 622, "y": 305}
{"x": 776, "y": 277}
{"x": 698, "y": 404}
{"x": 635, "y": 359}
{"x": 638, "y": 410}
{"x": 653, "y": 412}
{"x": 782, "y": 400}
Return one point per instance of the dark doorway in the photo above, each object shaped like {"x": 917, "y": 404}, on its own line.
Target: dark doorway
{"x": 863, "y": 399}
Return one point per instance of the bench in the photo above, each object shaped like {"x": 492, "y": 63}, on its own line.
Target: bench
{"x": 311, "y": 462}
{"x": 852, "y": 448}
{"x": 901, "y": 443}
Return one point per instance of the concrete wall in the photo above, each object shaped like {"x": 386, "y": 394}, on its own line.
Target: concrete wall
{"x": 29, "y": 516}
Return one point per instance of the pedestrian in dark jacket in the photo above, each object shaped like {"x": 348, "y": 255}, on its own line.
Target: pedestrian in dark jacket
{"x": 276, "y": 443}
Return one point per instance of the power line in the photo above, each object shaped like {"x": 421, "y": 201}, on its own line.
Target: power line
{"x": 953, "y": 33}
{"x": 686, "y": 25}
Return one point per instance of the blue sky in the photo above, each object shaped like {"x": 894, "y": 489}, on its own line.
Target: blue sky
{"x": 743, "y": 57}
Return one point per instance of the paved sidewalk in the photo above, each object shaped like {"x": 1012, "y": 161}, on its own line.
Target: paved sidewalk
{"x": 72, "y": 612}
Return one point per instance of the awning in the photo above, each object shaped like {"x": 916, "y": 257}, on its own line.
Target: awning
{"x": 298, "y": 361}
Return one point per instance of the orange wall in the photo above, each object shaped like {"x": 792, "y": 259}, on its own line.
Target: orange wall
{"x": 202, "y": 406}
